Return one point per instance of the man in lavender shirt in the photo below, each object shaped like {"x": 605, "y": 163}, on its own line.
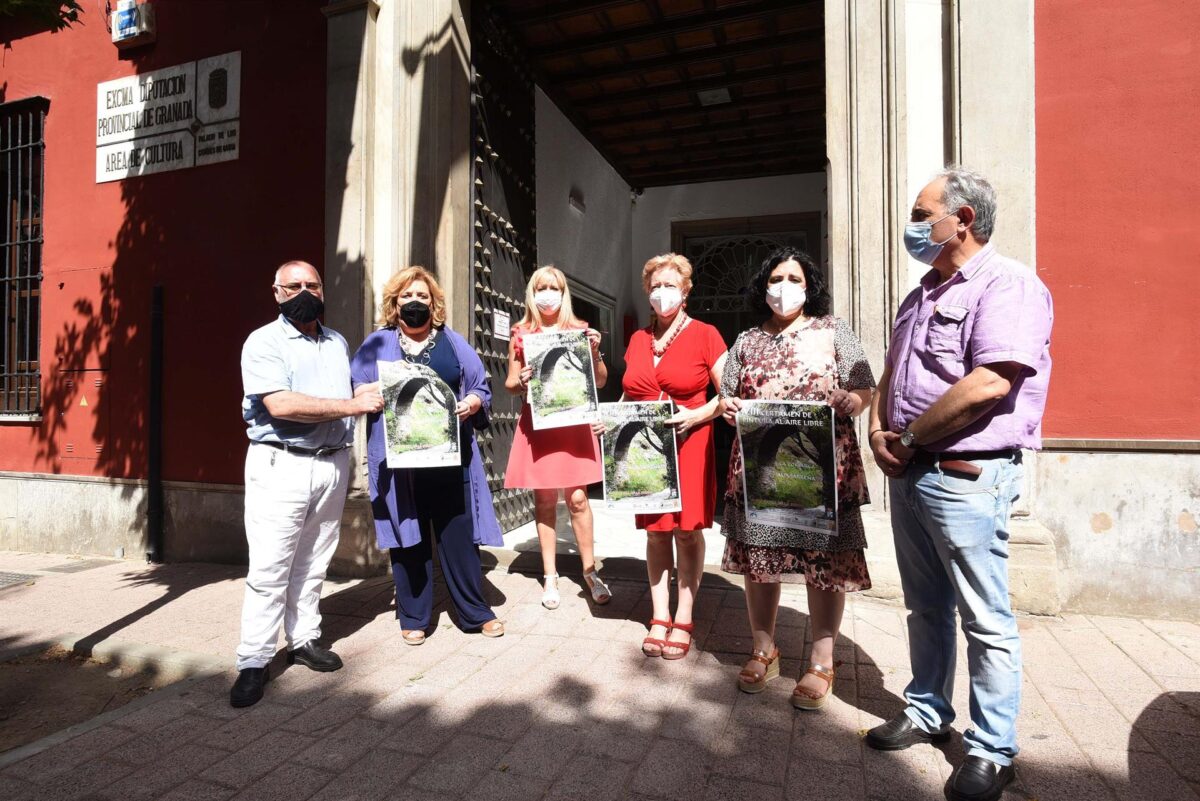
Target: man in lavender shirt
{"x": 962, "y": 392}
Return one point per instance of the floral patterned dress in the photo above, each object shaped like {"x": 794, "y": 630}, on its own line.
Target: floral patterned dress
{"x": 805, "y": 364}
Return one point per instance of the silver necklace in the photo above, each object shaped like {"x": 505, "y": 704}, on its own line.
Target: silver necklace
{"x": 416, "y": 352}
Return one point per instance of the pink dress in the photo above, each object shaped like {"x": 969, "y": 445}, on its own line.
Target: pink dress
{"x": 552, "y": 458}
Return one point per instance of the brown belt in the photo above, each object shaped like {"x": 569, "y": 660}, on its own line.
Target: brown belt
{"x": 963, "y": 461}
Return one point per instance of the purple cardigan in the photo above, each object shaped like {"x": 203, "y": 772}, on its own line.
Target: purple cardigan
{"x": 392, "y": 502}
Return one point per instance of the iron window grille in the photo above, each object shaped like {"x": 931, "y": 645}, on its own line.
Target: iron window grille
{"x": 22, "y": 178}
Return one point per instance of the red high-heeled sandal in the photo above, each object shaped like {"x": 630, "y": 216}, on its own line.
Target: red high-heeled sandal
{"x": 666, "y": 624}
{"x": 685, "y": 646}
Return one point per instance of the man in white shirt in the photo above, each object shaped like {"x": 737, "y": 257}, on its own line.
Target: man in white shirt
{"x": 300, "y": 410}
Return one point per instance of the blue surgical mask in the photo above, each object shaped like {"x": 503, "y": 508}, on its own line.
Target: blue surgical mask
{"x": 918, "y": 243}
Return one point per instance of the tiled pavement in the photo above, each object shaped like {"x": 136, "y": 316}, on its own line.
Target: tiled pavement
{"x": 565, "y": 707}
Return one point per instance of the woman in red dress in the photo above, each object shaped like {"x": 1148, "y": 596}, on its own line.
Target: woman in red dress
{"x": 677, "y": 357}
{"x": 555, "y": 460}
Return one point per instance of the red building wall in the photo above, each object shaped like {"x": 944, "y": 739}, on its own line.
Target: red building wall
{"x": 210, "y": 235}
{"x": 1118, "y": 226}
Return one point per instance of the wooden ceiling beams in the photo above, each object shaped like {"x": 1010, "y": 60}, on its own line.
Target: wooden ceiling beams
{"x": 629, "y": 74}
{"x": 673, "y": 26}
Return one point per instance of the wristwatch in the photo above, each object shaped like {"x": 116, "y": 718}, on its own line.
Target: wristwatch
{"x": 908, "y": 439}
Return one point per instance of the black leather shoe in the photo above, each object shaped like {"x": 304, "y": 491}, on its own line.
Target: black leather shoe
{"x": 978, "y": 779}
{"x": 899, "y": 733}
{"x": 248, "y": 689}
{"x": 315, "y": 657}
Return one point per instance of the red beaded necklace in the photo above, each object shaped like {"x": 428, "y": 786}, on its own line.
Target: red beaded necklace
{"x": 677, "y": 325}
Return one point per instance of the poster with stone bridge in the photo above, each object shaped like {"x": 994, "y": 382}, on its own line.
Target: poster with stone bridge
{"x": 562, "y": 390}
{"x": 419, "y": 423}
{"x": 641, "y": 471}
{"x": 789, "y": 477}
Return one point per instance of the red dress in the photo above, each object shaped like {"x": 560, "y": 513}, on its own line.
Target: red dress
{"x": 552, "y": 458}
{"x": 683, "y": 374}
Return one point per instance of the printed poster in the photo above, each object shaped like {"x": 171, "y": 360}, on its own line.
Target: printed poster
{"x": 562, "y": 390}
{"x": 420, "y": 426}
{"x": 789, "y": 475}
{"x": 641, "y": 471}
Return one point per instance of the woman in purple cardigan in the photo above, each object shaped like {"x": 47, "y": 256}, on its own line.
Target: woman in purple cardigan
{"x": 411, "y": 506}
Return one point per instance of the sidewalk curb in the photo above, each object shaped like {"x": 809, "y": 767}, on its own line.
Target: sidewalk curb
{"x": 191, "y": 669}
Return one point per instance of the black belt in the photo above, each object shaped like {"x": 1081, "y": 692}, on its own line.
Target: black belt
{"x": 927, "y": 457}
{"x": 283, "y": 446}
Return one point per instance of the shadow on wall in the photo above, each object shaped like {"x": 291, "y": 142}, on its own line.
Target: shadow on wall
{"x": 440, "y": 59}
{"x": 96, "y": 365}
{"x": 32, "y": 19}
{"x": 210, "y": 236}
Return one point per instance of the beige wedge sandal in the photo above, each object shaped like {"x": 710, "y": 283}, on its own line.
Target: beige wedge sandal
{"x": 753, "y": 682}
{"x": 801, "y": 700}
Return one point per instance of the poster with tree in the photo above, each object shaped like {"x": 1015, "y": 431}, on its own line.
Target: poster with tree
{"x": 789, "y": 475}
{"x": 641, "y": 472}
{"x": 420, "y": 426}
{"x": 562, "y": 390}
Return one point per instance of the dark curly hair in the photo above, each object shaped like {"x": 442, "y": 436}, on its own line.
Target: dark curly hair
{"x": 818, "y": 302}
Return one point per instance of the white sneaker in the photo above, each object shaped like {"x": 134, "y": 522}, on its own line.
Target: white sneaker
{"x": 550, "y": 596}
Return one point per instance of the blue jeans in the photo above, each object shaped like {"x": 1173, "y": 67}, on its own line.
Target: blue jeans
{"x": 951, "y": 536}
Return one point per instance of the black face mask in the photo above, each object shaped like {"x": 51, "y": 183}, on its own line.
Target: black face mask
{"x": 303, "y": 308}
{"x": 415, "y": 314}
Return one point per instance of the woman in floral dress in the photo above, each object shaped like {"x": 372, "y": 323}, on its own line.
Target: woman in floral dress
{"x": 800, "y": 352}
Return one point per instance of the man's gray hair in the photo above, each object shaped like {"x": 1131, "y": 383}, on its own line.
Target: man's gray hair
{"x": 290, "y": 263}
{"x": 967, "y": 188}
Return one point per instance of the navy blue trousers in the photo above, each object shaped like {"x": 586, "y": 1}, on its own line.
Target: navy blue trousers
{"x": 443, "y": 501}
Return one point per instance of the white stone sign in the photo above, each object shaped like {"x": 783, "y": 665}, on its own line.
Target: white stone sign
{"x": 169, "y": 119}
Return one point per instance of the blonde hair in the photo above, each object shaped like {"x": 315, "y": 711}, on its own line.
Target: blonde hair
{"x": 389, "y": 315}
{"x": 668, "y": 261}
{"x": 533, "y": 315}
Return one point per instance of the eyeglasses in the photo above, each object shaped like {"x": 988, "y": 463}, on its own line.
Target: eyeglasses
{"x": 292, "y": 289}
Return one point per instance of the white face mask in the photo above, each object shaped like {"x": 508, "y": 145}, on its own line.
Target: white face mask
{"x": 548, "y": 300}
{"x": 785, "y": 298}
{"x": 666, "y": 299}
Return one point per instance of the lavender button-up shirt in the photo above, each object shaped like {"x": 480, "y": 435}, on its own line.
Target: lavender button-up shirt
{"x": 992, "y": 310}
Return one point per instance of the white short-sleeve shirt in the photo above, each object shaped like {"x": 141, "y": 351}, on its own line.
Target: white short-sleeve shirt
{"x": 278, "y": 357}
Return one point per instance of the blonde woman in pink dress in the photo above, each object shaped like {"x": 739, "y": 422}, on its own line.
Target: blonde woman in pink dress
{"x": 557, "y": 460}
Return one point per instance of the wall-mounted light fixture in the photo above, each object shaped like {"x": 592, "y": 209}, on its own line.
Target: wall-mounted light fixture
{"x": 132, "y": 24}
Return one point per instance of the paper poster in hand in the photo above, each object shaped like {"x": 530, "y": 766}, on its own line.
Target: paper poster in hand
{"x": 562, "y": 389}
{"x": 789, "y": 474}
{"x": 641, "y": 471}
{"x": 420, "y": 426}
